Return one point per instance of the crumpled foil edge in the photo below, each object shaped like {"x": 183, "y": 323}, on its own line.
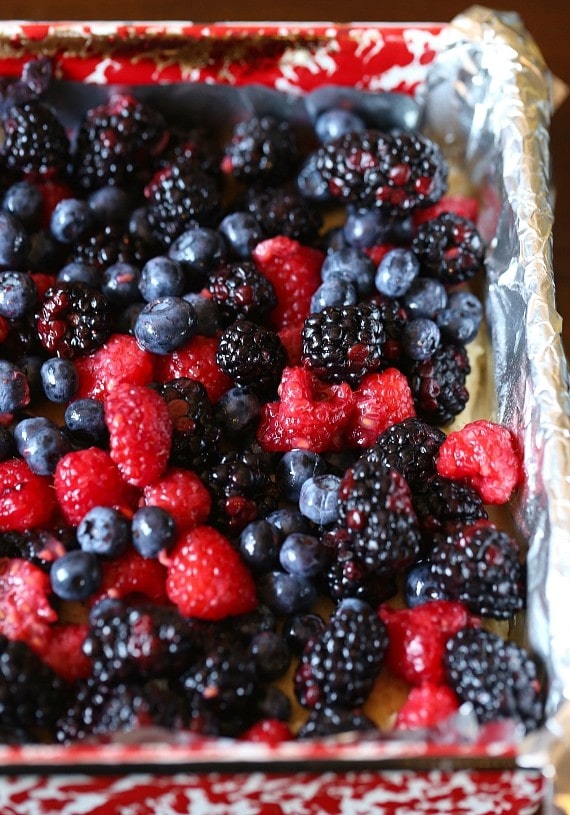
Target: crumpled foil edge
{"x": 503, "y": 99}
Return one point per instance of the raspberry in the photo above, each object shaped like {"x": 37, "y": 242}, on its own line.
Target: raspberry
{"x": 130, "y": 574}
{"x": 462, "y": 205}
{"x": 292, "y": 341}
{"x": 268, "y": 731}
{"x": 427, "y": 705}
{"x": 485, "y": 455}
{"x": 311, "y": 415}
{"x": 196, "y": 360}
{"x": 183, "y": 495}
{"x": 140, "y": 432}
{"x": 61, "y": 650}
{"x": 88, "y": 478}
{"x": 295, "y": 271}
{"x": 417, "y": 638}
{"x": 381, "y": 400}
{"x": 25, "y": 611}
{"x": 119, "y": 360}
{"x": 206, "y": 577}
{"x": 26, "y": 499}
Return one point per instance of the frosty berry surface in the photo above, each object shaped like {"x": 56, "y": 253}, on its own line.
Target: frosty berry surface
{"x": 254, "y": 337}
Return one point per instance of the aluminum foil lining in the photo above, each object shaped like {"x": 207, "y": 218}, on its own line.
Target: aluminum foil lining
{"x": 501, "y": 94}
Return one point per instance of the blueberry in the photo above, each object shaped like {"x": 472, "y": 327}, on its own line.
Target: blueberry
{"x": 120, "y": 283}
{"x": 286, "y": 593}
{"x": 461, "y": 320}
{"x": 421, "y": 585}
{"x": 59, "y": 379}
{"x": 126, "y": 319}
{"x": 334, "y": 123}
{"x": 396, "y": 272}
{"x": 298, "y": 629}
{"x": 18, "y": 294}
{"x": 14, "y": 242}
{"x": 294, "y": 468}
{"x": 44, "y": 448}
{"x": 85, "y": 418}
{"x": 318, "y": 500}
{"x": 110, "y": 205}
{"x": 82, "y": 272}
{"x": 208, "y": 317}
{"x": 272, "y": 703}
{"x": 24, "y": 200}
{"x": 7, "y": 446}
{"x": 334, "y": 292}
{"x": 311, "y": 183}
{"x": 26, "y": 428}
{"x": 165, "y": 324}
{"x": 103, "y": 531}
{"x": 198, "y": 251}
{"x": 242, "y": 233}
{"x": 31, "y": 365}
{"x": 287, "y": 522}
{"x": 353, "y": 266}
{"x": 303, "y": 555}
{"x": 14, "y": 388}
{"x": 420, "y": 338}
{"x": 271, "y": 654}
{"x": 76, "y": 575}
{"x": 161, "y": 277}
{"x": 363, "y": 228}
{"x": 237, "y": 411}
{"x": 153, "y": 531}
{"x": 259, "y": 545}
{"x": 44, "y": 253}
{"x": 71, "y": 219}
{"x": 425, "y": 297}
{"x": 140, "y": 227}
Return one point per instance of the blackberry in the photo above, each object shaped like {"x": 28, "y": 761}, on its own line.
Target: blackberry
{"x": 196, "y": 148}
{"x": 117, "y": 142}
{"x": 479, "y": 565}
{"x": 498, "y": 678}
{"x": 180, "y": 198}
{"x": 280, "y": 211}
{"x": 395, "y": 318}
{"x": 338, "y": 667}
{"x": 30, "y": 691}
{"x": 224, "y": 682}
{"x": 376, "y": 511}
{"x": 241, "y": 292}
{"x": 261, "y": 149}
{"x": 349, "y": 576}
{"x": 331, "y": 720}
{"x": 40, "y": 546}
{"x": 195, "y": 433}
{"x": 438, "y": 384}
{"x": 411, "y": 447}
{"x": 397, "y": 171}
{"x": 73, "y": 320}
{"x": 443, "y": 502}
{"x": 139, "y": 640}
{"x": 242, "y": 489}
{"x": 34, "y": 143}
{"x": 101, "y": 709}
{"x": 449, "y": 249}
{"x": 252, "y": 356}
{"x": 110, "y": 245}
{"x": 343, "y": 344}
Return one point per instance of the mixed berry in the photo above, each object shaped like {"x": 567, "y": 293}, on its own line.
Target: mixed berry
{"x": 226, "y": 487}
